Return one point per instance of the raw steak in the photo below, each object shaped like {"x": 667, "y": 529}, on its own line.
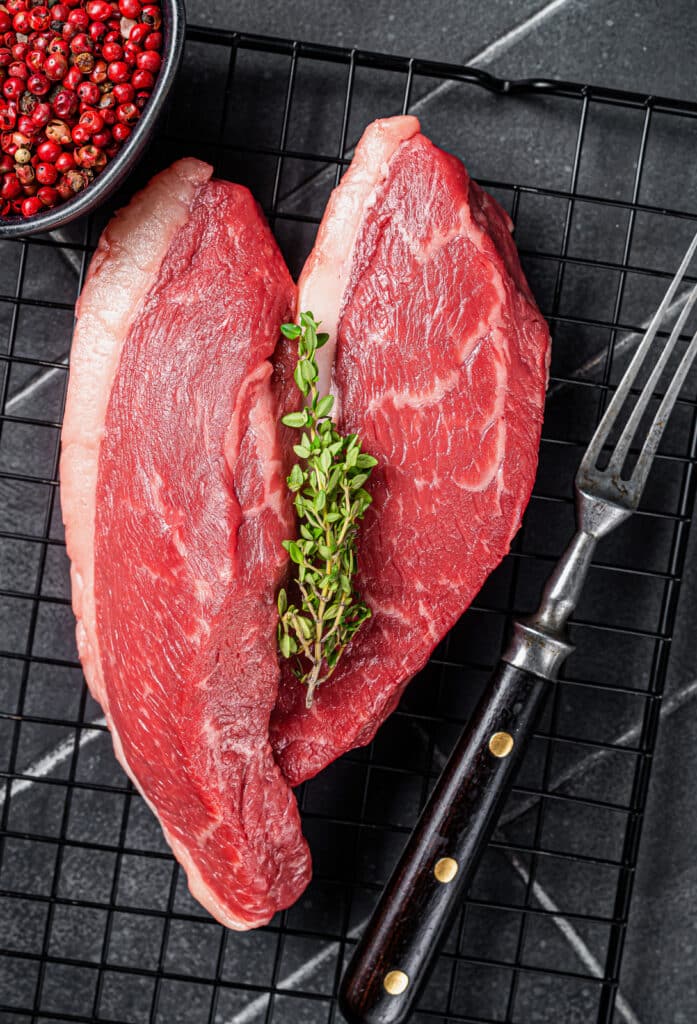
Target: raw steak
{"x": 175, "y": 509}
{"x": 440, "y": 365}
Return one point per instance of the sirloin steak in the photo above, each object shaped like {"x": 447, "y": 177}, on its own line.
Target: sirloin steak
{"x": 438, "y": 359}
{"x": 175, "y": 509}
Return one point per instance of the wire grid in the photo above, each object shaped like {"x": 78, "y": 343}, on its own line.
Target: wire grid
{"x": 95, "y": 920}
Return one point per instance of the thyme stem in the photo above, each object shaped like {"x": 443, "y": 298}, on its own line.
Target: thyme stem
{"x": 330, "y": 501}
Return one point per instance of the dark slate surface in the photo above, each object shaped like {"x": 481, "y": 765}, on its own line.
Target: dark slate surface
{"x": 645, "y": 46}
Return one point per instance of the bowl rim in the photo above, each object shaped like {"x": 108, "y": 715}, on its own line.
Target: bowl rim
{"x": 118, "y": 169}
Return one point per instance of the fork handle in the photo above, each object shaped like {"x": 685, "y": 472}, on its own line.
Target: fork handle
{"x": 391, "y": 962}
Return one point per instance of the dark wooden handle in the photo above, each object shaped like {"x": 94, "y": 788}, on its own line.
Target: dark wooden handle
{"x": 392, "y": 960}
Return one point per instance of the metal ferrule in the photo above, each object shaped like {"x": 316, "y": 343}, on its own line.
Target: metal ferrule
{"x": 534, "y": 650}
{"x": 540, "y": 642}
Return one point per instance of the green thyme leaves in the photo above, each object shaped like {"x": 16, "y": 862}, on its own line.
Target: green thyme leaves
{"x": 325, "y": 612}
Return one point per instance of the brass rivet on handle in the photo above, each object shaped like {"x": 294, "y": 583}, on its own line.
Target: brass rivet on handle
{"x": 396, "y": 982}
{"x": 445, "y": 869}
{"x": 501, "y": 744}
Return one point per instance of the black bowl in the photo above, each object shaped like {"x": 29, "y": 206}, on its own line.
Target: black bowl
{"x": 118, "y": 169}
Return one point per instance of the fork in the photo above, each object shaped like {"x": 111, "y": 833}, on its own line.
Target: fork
{"x": 392, "y": 960}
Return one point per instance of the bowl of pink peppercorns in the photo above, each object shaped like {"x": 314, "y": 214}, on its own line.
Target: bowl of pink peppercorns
{"x": 82, "y": 83}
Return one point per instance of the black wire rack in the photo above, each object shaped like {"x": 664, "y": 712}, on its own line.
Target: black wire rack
{"x": 95, "y": 920}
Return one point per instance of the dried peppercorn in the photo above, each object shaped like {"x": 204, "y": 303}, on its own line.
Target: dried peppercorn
{"x": 112, "y": 51}
{"x": 98, "y": 73}
{"x": 27, "y": 103}
{"x": 26, "y": 126}
{"x": 80, "y": 135}
{"x": 38, "y": 84}
{"x": 12, "y": 88}
{"x": 74, "y": 76}
{"x": 76, "y": 179}
{"x": 102, "y": 139}
{"x": 142, "y": 80}
{"x": 150, "y": 61}
{"x": 39, "y": 18}
{"x": 88, "y": 92}
{"x": 124, "y": 92}
{"x": 8, "y": 118}
{"x": 79, "y": 18}
{"x": 118, "y": 71}
{"x": 20, "y": 139}
{"x": 98, "y": 31}
{"x": 20, "y": 23}
{"x": 91, "y": 121}
{"x": 31, "y": 206}
{"x": 120, "y": 132}
{"x": 55, "y": 67}
{"x": 11, "y": 186}
{"x": 65, "y": 103}
{"x": 58, "y": 131}
{"x": 81, "y": 43}
{"x": 131, "y": 9}
{"x": 99, "y": 10}
{"x": 63, "y": 189}
{"x": 58, "y": 45}
{"x": 34, "y": 60}
{"x": 19, "y": 69}
{"x": 65, "y": 162}
{"x": 6, "y": 143}
{"x": 46, "y": 174}
{"x": 152, "y": 16}
{"x": 85, "y": 62}
{"x": 48, "y": 196}
{"x": 41, "y": 114}
{"x": 127, "y": 113}
{"x": 25, "y": 173}
{"x": 130, "y": 55}
{"x": 90, "y": 156}
{"x": 48, "y": 151}
{"x": 138, "y": 33}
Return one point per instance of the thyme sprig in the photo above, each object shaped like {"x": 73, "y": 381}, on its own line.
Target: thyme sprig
{"x": 330, "y": 500}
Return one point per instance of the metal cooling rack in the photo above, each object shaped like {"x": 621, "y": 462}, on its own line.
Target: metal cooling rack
{"x": 95, "y": 922}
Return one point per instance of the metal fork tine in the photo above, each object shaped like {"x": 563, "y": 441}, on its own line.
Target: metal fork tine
{"x": 622, "y": 445}
{"x": 604, "y": 427}
{"x": 658, "y": 425}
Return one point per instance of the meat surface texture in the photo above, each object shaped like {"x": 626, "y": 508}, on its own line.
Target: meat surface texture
{"x": 439, "y": 361}
{"x": 175, "y": 508}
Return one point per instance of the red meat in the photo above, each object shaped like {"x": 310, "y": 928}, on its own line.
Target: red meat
{"x": 175, "y": 508}
{"x": 439, "y": 363}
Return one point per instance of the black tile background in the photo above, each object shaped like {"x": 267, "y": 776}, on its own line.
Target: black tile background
{"x": 530, "y": 140}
